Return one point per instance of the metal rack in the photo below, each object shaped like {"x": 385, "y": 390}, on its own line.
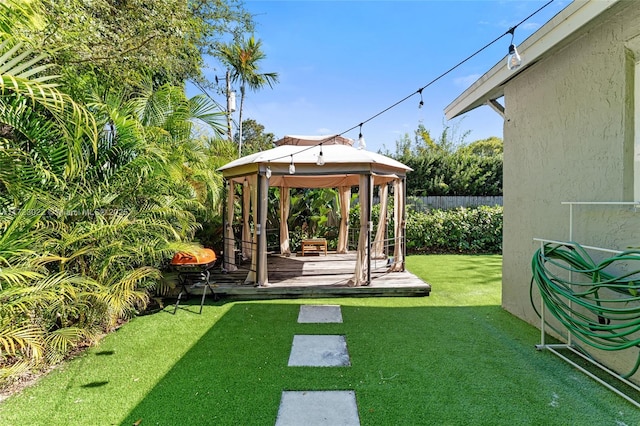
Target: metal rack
{"x": 569, "y": 345}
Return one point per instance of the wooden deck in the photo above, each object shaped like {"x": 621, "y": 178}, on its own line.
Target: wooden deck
{"x": 314, "y": 276}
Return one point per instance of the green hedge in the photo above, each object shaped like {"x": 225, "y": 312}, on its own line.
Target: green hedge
{"x": 459, "y": 173}
{"x": 461, "y": 230}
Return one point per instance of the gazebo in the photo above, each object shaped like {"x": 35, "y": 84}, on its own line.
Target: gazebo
{"x": 315, "y": 162}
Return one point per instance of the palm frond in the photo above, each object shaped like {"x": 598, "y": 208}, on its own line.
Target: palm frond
{"x": 18, "y": 13}
{"x": 13, "y": 371}
{"x": 22, "y": 338}
{"x": 60, "y": 341}
{"x": 202, "y": 109}
{"x": 124, "y": 293}
{"x": 16, "y": 238}
{"x": 17, "y": 77}
{"x": 16, "y": 276}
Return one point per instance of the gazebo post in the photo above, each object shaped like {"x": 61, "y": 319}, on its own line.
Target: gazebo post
{"x": 261, "y": 229}
{"x": 369, "y": 225}
{"x": 403, "y": 229}
{"x": 228, "y": 238}
{"x": 225, "y": 192}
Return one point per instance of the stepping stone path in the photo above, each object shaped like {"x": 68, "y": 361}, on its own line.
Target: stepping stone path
{"x": 320, "y": 314}
{"x": 317, "y": 407}
{"x": 311, "y": 408}
{"x": 319, "y": 351}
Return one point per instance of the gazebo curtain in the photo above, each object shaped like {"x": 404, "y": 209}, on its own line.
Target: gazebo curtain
{"x": 377, "y": 249}
{"x": 362, "y": 264}
{"x": 398, "y": 219}
{"x": 344, "y": 195}
{"x": 261, "y": 218}
{"x": 229, "y": 238}
{"x": 285, "y": 205}
{"x": 253, "y": 190}
{"x": 246, "y": 229}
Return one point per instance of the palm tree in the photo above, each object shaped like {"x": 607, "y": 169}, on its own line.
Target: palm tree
{"x": 243, "y": 59}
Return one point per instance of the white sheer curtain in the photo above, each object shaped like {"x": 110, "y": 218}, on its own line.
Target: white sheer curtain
{"x": 285, "y": 205}
{"x": 344, "y": 195}
{"x": 253, "y": 189}
{"x": 398, "y": 219}
{"x": 246, "y": 228}
{"x": 229, "y": 238}
{"x": 377, "y": 249}
{"x": 261, "y": 218}
{"x": 364, "y": 195}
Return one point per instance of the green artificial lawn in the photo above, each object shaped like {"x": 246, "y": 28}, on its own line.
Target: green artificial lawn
{"x": 453, "y": 358}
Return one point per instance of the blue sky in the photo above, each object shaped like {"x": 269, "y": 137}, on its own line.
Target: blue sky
{"x": 341, "y": 62}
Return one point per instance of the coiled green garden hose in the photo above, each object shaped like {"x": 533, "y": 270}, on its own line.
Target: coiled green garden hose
{"x": 599, "y": 307}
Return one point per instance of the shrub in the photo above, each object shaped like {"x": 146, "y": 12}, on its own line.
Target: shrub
{"x": 461, "y": 230}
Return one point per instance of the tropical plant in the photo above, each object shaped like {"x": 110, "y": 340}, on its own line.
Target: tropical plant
{"x": 125, "y": 43}
{"x": 42, "y": 313}
{"x": 88, "y": 217}
{"x": 243, "y": 57}
{"x": 35, "y": 117}
{"x": 314, "y": 213}
{"x": 254, "y": 138}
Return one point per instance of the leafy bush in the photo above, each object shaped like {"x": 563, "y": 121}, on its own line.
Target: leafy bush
{"x": 459, "y": 173}
{"x": 461, "y": 230}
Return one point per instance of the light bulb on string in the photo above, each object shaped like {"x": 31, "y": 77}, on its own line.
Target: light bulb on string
{"x": 361, "y": 142}
{"x": 513, "y": 59}
{"x": 320, "y": 159}
{"x": 421, "y": 104}
{"x": 292, "y": 167}
{"x": 267, "y": 173}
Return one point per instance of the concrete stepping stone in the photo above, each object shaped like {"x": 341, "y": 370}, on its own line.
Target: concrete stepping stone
{"x": 318, "y": 408}
{"x": 323, "y": 350}
{"x": 320, "y": 314}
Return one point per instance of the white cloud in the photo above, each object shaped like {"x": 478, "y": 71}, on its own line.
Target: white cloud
{"x": 301, "y": 103}
{"x": 532, "y": 26}
{"x": 466, "y": 81}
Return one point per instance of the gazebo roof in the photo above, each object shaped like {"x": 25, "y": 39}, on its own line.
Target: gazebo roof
{"x": 342, "y": 167}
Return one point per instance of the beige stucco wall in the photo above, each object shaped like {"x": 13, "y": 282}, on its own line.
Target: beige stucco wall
{"x": 569, "y": 137}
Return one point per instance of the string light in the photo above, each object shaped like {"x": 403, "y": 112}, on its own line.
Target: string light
{"x": 361, "y": 143}
{"x": 361, "y": 140}
{"x": 513, "y": 59}
{"x": 292, "y": 167}
{"x": 267, "y": 173}
{"x": 320, "y": 160}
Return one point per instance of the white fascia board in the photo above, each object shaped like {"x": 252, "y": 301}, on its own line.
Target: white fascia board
{"x": 560, "y": 27}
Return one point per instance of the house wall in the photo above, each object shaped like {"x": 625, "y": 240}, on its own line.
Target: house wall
{"x": 569, "y": 136}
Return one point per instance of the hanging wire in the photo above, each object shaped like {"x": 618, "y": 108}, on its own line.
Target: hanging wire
{"x": 512, "y": 31}
{"x": 419, "y": 91}
{"x": 206, "y": 93}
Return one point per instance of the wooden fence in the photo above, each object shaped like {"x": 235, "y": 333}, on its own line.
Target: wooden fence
{"x": 451, "y": 202}
{"x": 447, "y": 202}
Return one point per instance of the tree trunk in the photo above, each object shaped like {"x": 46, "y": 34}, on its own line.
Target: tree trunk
{"x": 228, "y": 93}
{"x": 242, "y": 91}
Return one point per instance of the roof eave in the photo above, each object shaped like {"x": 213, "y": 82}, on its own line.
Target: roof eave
{"x": 491, "y": 85}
